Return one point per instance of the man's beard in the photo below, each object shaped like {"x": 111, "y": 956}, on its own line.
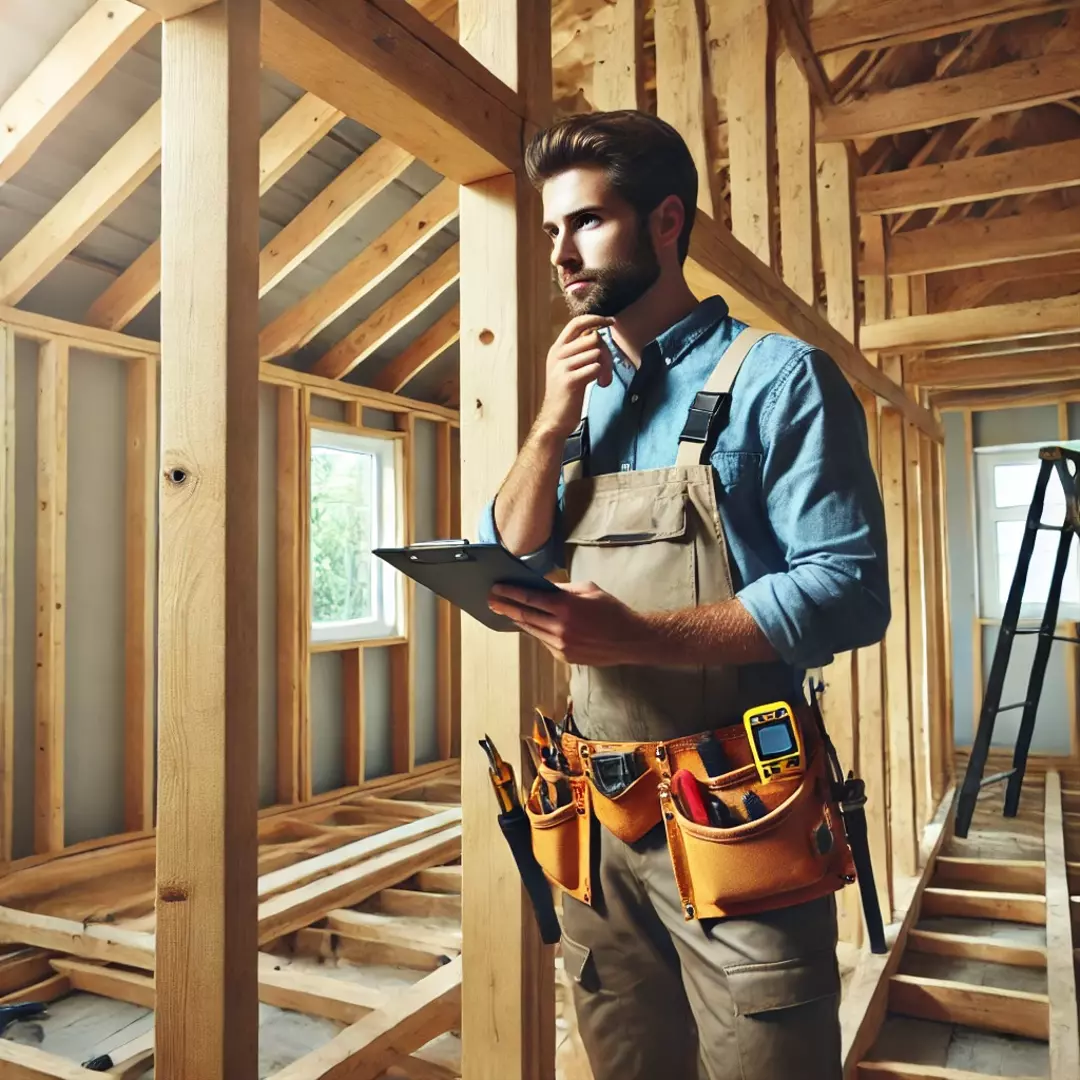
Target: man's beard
{"x": 614, "y": 287}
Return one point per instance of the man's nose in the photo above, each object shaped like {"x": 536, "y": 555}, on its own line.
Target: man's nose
{"x": 564, "y": 255}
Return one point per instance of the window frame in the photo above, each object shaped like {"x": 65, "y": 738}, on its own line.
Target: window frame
{"x": 388, "y": 621}
{"x": 989, "y": 515}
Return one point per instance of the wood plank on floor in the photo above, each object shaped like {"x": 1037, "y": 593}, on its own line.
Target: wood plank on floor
{"x": 1009, "y": 907}
{"x": 974, "y": 947}
{"x": 1012, "y": 1012}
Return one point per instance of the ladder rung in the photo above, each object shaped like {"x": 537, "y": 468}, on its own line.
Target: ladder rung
{"x": 1056, "y": 637}
{"x": 996, "y": 777}
{"x": 1009, "y": 708}
{"x": 1050, "y": 528}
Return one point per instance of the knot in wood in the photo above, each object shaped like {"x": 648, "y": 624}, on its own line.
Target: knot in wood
{"x": 172, "y": 894}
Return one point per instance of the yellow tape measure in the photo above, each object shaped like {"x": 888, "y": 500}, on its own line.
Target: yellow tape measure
{"x": 774, "y": 741}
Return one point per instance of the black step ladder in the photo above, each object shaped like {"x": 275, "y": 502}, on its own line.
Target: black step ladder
{"x": 1053, "y": 458}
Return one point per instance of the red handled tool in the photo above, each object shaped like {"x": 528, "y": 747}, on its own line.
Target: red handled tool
{"x": 684, "y": 787}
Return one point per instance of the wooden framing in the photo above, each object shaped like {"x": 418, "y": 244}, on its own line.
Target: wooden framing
{"x": 206, "y": 860}
{"x": 7, "y": 590}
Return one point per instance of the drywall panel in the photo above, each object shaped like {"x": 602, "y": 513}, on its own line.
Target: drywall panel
{"x": 1005, "y": 427}
{"x": 327, "y": 408}
{"x": 425, "y": 610}
{"x": 379, "y": 418}
{"x": 95, "y": 589}
{"x": 25, "y": 588}
{"x": 378, "y": 755}
{"x": 267, "y": 595}
{"x": 961, "y": 576}
{"x": 327, "y": 722}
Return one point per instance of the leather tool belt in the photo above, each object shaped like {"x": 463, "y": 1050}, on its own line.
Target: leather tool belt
{"x": 796, "y": 851}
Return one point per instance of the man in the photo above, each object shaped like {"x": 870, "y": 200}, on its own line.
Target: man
{"x": 688, "y": 602}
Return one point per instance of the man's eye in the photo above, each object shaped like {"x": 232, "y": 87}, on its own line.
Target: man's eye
{"x": 587, "y": 219}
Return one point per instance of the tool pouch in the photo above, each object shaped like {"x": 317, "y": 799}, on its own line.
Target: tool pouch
{"x": 562, "y": 839}
{"x": 796, "y": 852}
{"x": 631, "y": 813}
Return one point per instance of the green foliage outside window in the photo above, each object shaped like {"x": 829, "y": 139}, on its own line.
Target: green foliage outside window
{"x": 342, "y": 488}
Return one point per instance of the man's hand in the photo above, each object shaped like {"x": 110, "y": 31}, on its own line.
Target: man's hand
{"x": 581, "y": 624}
{"x": 577, "y": 357}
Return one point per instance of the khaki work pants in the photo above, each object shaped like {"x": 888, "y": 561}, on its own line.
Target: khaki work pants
{"x": 661, "y": 998}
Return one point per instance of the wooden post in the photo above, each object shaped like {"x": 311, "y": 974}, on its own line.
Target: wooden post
{"x": 508, "y": 999}
{"x": 618, "y": 71}
{"x": 52, "y": 447}
{"x": 290, "y": 631}
{"x": 352, "y": 678}
{"x": 7, "y": 589}
{"x": 141, "y": 547}
{"x": 447, "y": 613}
{"x": 797, "y": 177}
{"x": 403, "y": 657}
{"x": 917, "y": 659}
{"x": 206, "y": 978}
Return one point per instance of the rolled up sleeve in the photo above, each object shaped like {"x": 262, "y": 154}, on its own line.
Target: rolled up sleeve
{"x": 826, "y": 512}
{"x": 544, "y": 559}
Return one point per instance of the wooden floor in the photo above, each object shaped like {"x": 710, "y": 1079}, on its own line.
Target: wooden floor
{"x": 360, "y": 919}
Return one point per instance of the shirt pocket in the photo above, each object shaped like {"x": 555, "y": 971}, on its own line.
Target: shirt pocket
{"x": 737, "y": 471}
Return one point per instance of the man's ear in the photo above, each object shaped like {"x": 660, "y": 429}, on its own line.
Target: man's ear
{"x": 667, "y": 222}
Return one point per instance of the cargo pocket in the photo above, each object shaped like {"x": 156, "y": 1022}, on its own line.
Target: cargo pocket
{"x": 561, "y": 840}
{"x": 791, "y": 848}
{"x": 787, "y": 1017}
{"x": 575, "y": 958}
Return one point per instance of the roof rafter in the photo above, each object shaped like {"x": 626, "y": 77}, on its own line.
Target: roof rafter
{"x": 427, "y": 348}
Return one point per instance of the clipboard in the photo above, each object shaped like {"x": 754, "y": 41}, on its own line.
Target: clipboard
{"x": 465, "y": 573}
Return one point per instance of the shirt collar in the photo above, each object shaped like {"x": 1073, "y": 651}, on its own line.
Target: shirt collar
{"x": 679, "y": 338}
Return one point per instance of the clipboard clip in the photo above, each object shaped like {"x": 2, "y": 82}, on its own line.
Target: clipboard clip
{"x": 435, "y": 546}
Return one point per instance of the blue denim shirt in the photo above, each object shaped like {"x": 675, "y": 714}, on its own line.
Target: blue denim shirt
{"x": 796, "y": 490}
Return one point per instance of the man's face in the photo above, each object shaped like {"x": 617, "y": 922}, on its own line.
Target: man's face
{"x": 602, "y": 254}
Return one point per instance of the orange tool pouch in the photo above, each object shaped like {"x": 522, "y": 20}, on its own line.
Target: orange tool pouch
{"x": 797, "y": 851}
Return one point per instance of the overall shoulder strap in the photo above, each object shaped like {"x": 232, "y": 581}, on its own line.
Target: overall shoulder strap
{"x": 576, "y": 451}
{"x": 696, "y": 437}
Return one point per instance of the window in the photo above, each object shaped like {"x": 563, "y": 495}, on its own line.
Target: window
{"x": 355, "y": 507}
{"x": 1005, "y": 480}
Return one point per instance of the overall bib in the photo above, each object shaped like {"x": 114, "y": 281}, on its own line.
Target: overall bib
{"x": 660, "y": 993}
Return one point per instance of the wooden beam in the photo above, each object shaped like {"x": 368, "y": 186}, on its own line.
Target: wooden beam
{"x": 43, "y": 328}
{"x": 290, "y": 631}
{"x": 281, "y": 147}
{"x": 725, "y": 265}
{"x": 958, "y": 289}
{"x": 1017, "y": 85}
{"x": 681, "y": 98}
{"x": 7, "y": 591}
{"x": 975, "y": 947}
{"x": 78, "y": 62}
{"x": 115, "y": 983}
{"x": 955, "y": 245}
{"x": 340, "y": 201}
{"x": 172, "y": 9}
{"x": 508, "y": 1013}
{"x": 52, "y": 459}
{"x": 31, "y": 1063}
{"x": 208, "y": 726}
{"x": 1017, "y": 875}
{"x": 140, "y": 541}
{"x": 802, "y": 51}
{"x": 950, "y": 183}
{"x": 93, "y": 941}
{"x": 996, "y": 322}
{"x": 618, "y": 64}
{"x": 750, "y": 110}
{"x": 300, "y": 323}
{"x": 983, "y": 904}
{"x": 797, "y": 178}
{"x": 445, "y": 666}
{"x": 352, "y": 676}
{"x": 385, "y": 65}
{"x": 1060, "y": 966}
{"x": 1008, "y": 397}
{"x": 915, "y": 485}
{"x": 1010, "y": 370}
{"x": 416, "y": 356}
{"x": 987, "y": 1008}
{"x": 93, "y": 198}
{"x": 413, "y": 1016}
{"x": 888, "y": 23}
{"x": 378, "y": 328}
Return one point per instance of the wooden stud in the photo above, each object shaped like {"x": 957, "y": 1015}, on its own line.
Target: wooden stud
{"x": 836, "y": 226}
{"x": 750, "y": 104}
{"x": 291, "y": 636}
{"x": 378, "y": 328}
{"x": 80, "y": 60}
{"x": 280, "y": 148}
{"x": 403, "y": 657}
{"x": 917, "y": 658}
{"x": 681, "y": 97}
{"x": 300, "y": 323}
{"x": 447, "y": 613}
{"x": 304, "y": 766}
{"x": 208, "y": 754}
{"x": 798, "y": 45}
{"x": 100, "y": 190}
{"x": 1016, "y": 85}
{"x": 1060, "y": 966}
{"x": 797, "y": 178}
{"x": 7, "y": 590}
{"x": 424, "y": 93}
{"x": 618, "y": 67}
{"x": 340, "y": 201}
{"x": 31, "y": 1063}
{"x": 352, "y": 675}
{"x": 140, "y": 538}
{"x": 52, "y": 453}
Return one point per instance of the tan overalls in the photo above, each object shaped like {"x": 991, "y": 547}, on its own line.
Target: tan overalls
{"x": 660, "y": 995}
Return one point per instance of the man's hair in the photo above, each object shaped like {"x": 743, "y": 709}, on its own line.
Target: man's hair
{"x": 644, "y": 158}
